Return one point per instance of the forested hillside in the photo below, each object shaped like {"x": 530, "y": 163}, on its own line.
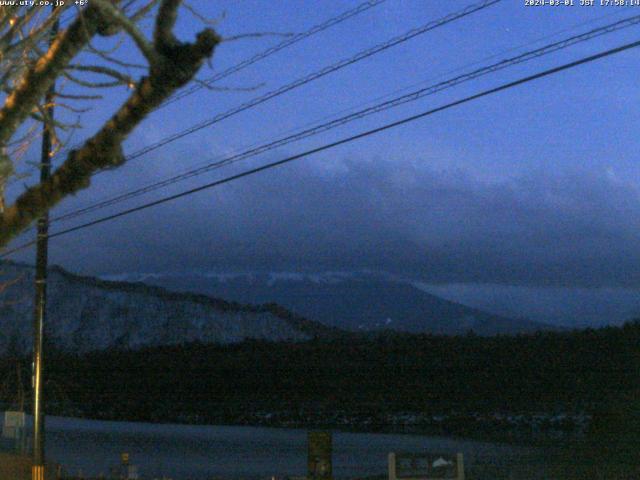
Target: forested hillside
{"x": 446, "y": 384}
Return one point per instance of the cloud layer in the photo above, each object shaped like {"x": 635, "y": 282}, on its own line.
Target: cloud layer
{"x": 572, "y": 228}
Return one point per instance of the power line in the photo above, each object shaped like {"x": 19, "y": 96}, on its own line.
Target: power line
{"x": 414, "y": 32}
{"x": 395, "y": 102}
{"x": 410, "y": 34}
{"x": 276, "y": 48}
{"x": 342, "y": 17}
{"x": 342, "y": 141}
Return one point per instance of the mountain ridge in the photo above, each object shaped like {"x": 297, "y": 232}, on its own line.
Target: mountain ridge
{"x": 87, "y": 313}
{"x": 357, "y": 302}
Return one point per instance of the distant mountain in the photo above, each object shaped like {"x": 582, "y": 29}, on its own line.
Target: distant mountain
{"x": 86, "y": 314}
{"x": 356, "y": 302}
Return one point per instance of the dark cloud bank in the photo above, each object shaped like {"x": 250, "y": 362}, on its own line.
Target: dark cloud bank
{"x": 562, "y": 228}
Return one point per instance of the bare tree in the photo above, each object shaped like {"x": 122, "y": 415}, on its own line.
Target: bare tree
{"x": 34, "y": 56}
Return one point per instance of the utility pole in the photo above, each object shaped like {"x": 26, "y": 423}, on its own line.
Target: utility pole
{"x": 40, "y": 302}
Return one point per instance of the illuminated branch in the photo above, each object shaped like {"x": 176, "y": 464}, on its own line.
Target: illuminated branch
{"x": 175, "y": 64}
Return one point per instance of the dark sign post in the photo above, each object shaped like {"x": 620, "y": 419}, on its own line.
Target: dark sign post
{"x": 319, "y": 456}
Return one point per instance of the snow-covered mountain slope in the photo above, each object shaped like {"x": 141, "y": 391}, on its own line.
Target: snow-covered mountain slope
{"x": 86, "y": 314}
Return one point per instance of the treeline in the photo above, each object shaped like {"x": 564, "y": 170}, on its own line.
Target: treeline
{"x": 592, "y": 371}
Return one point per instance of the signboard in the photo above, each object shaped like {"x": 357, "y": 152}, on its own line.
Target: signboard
{"x": 319, "y": 455}
{"x": 425, "y": 466}
{"x": 14, "y": 423}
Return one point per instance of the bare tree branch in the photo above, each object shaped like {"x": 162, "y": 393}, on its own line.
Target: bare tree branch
{"x": 176, "y": 63}
{"x": 37, "y": 80}
{"x": 93, "y": 84}
{"x": 102, "y": 70}
{"x": 143, "y": 11}
{"x": 118, "y": 18}
{"x": 163, "y": 33}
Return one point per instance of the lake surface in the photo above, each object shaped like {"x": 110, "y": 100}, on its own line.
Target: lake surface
{"x": 196, "y": 452}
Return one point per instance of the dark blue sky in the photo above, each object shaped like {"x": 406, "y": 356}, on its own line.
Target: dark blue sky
{"x": 537, "y": 186}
